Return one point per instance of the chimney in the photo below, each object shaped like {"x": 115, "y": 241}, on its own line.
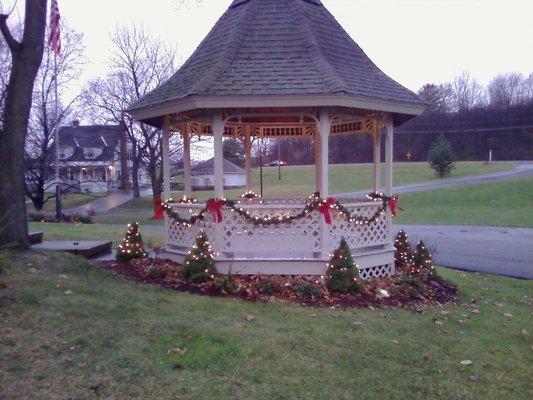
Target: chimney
{"x": 76, "y": 123}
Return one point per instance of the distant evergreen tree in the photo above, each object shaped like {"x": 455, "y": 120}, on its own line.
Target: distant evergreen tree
{"x": 440, "y": 156}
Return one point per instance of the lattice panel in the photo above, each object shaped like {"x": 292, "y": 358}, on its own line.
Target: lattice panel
{"x": 184, "y": 236}
{"x": 299, "y": 238}
{"x": 378, "y": 271}
{"x": 376, "y": 233}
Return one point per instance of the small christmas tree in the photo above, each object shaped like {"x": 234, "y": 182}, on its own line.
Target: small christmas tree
{"x": 403, "y": 256}
{"x": 423, "y": 262}
{"x": 199, "y": 266}
{"x": 132, "y": 245}
{"x": 342, "y": 275}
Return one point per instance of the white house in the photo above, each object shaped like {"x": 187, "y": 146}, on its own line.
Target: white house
{"x": 203, "y": 175}
{"x": 92, "y": 158}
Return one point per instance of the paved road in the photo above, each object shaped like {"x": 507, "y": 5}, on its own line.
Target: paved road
{"x": 523, "y": 170}
{"x": 495, "y": 250}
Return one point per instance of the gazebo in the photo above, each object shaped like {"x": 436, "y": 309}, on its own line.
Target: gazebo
{"x": 280, "y": 69}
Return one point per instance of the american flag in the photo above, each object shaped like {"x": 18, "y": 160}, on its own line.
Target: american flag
{"x": 54, "y": 40}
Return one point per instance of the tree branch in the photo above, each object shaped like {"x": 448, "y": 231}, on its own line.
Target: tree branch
{"x": 13, "y": 44}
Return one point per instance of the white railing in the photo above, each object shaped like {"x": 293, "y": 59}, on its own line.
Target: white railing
{"x": 237, "y": 238}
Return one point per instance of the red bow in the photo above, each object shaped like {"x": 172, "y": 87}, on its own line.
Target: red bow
{"x": 215, "y": 207}
{"x": 393, "y": 205}
{"x": 324, "y": 208}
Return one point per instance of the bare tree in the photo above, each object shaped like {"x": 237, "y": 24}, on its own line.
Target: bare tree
{"x": 467, "y": 93}
{"x": 26, "y": 57}
{"x": 138, "y": 64}
{"x": 40, "y": 152}
{"x": 438, "y": 96}
{"x": 506, "y": 90}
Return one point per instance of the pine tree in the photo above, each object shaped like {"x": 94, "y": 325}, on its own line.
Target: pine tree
{"x": 199, "y": 266}
{"x": 342, "y": 275}
{"x": 440, "y": 156}
{"x": 403, "y": 256}
{"x": 132, "y": 245}
{"x": 423, "y": 262}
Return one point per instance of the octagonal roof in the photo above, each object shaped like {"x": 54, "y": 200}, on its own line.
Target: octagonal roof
{"x": 286, "y": 52}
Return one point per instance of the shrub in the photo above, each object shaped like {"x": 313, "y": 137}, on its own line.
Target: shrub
{"x": 308, "y": 290}
{"x": 268, "y": 287}
{"x": 199, "y": 266}
{"x": 403, "y": 256}
{"x": 342, "y": 275}
{"x": 155, "y": 273}
{"x": 423, "y": 262}
{"x": 73, "y": 218}
{"x": 226, "y": 284}
{"x": 440, "y": 156}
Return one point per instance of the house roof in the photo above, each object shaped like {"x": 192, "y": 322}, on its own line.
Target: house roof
{"x": 104, "y": 137}
{"x": 208, "y": 167}
{"x": 277, "y": 48}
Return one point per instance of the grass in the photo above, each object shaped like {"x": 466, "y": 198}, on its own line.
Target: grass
{"x": 111, "y": 337}
{"x": 505, "y": 203}
{"x": 300, "y": 180}
{"x": 69, "y": 200}
{"x": 152, "y": 235}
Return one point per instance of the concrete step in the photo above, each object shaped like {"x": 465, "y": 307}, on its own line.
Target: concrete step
{"x": 87, "y": 249}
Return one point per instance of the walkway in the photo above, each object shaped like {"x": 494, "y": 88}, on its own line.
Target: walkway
{"x": 494, "y": 250}
{"x": 523, "y": 170}
{"x": 102, "y": 205}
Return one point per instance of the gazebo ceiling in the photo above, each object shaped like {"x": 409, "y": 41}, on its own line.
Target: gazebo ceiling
{"x": 277, "y": 53}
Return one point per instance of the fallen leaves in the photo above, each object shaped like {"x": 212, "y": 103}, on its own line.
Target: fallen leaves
{"x": 176, "y": 350}
{"x": 250, "y": 318}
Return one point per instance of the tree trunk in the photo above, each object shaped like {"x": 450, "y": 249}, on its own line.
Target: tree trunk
{"x": 135, "y": 166}
{"x": 27, "y": 57}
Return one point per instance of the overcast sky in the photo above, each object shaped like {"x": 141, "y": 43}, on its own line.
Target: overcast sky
{"x": 413, "y": 41}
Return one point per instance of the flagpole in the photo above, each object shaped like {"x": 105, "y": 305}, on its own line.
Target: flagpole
{"x": 56, "y": 135}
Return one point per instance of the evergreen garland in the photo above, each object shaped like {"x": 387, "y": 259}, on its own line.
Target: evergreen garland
{"x": 199, "y": 265}
{"x": 312, "y": 204}
{"x": 342, "y": 275}
{"x": 132, "y": 245}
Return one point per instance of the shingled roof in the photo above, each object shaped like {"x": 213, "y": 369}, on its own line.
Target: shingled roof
{"x": 208, "y": 167}
{"x": 103, "y": 137}
{"x": 277, "y": 48}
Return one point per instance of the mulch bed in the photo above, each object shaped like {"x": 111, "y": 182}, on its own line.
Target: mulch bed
{"x": 302, "y": 290}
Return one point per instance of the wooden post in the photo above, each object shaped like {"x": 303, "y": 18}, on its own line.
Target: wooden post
{"x": 389, "y": 156}
{"x": 187, "y": 161}
{"x": 218, "y": 132}
{"x": 318, "y": 179}
{"x": 377, "y": 159}
{"x": 166, "y": 157}
{"x": 324, "y": 130}
{"x": 325, "y": 126}
{"x": 248, "y": 157}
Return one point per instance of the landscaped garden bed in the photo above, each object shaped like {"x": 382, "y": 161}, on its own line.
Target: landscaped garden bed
{"x": 415, "y": 285}
{"x": 397, "y": 291}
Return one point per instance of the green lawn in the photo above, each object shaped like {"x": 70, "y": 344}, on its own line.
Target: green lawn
{"x": 69, "y": 200}
{"x": 72, "y": 330}
{"x": 300, "y": 180}
{"x": 152, "y": 235}
{"x": 506, "y": 203}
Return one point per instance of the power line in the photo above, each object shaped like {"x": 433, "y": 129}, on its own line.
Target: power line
{"x": 504, "y": 128}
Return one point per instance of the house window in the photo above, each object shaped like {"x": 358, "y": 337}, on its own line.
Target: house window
{"x": 62, "y": 153}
